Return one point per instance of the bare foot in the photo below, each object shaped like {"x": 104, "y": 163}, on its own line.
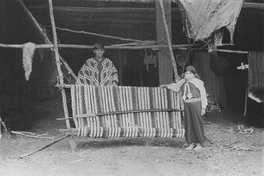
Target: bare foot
{"x": 185, "y": 145}
{"x": 190, "y": 147}
{"x": 198, "y": 147}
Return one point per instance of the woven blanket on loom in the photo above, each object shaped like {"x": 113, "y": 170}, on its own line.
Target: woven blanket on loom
{"x": 256, "y": 70}
{"x": 126, "y": 111}
{"x": 104, "y": 99}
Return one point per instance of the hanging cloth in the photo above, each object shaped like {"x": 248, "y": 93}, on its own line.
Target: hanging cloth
{"x": 256, "y": 76}
{"x": 256, "y": 70}
{"x": 257, "y": 96}
{"x": 203, "y": 18}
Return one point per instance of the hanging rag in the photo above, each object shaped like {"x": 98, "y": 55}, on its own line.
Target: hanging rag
{"x": 256, "y": 76}
{"x": 150, "y": 58}
{"x": 204, "y": 18}
{"x": 256, "y": 70}
{"x": 28, "y": 52}
{"x": 256, "y": 96}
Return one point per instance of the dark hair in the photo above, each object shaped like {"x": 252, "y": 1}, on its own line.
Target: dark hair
{"x": 191, "y": 69}
{"x": 98, "y": 46}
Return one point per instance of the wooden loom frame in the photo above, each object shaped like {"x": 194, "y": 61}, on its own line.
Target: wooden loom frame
{"x": 57, "y": 57}
{"x": 60, "y": 77}
{"x": 124, "y": 111}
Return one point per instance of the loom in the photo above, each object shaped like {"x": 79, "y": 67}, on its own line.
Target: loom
{"x": 124, "y": 111}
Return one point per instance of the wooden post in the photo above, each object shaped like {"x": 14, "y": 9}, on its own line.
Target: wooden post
{"x": 45, "y": 38}
{"x": 167, "y": 63}
{"x": 120, "y": 68}
{"x": 58, "y": 63}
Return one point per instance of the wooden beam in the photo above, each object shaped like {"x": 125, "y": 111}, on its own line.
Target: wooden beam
{"x": 253, "y": 5}
{"x": 107, "y": 47}
{"x": 168, "y": 35}
{"x": 164, "y": 56}
{"x": 231, "y": 51}
{"x": 58, "y": 63}
{"x": 121, "y": 112}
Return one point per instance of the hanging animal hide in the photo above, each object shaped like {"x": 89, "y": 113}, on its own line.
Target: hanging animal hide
{"x": 203, "y": 18}
{"x": 215, "y": 40}
{"x": 28, "y": 52}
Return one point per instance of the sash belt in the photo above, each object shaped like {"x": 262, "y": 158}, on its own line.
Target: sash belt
{"x": 192, "y": 100}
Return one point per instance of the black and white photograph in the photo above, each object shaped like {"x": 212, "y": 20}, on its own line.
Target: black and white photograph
{"x": 131, "y": 87}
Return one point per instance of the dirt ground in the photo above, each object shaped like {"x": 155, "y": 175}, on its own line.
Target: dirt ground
{"x": 228, "y": 151}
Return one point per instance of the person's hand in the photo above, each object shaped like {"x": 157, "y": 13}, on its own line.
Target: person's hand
{"x": 203, "y": 112}
{"x": 163, "y": 86}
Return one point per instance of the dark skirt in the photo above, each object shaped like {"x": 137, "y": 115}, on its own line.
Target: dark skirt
{"x": 194, "y": 130}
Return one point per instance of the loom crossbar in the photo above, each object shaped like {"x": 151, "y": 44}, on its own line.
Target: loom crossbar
{"x": 124, "y": 111}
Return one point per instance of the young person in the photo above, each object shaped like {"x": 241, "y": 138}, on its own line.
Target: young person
{"x": 98, "y": 70}
{"x": 195, "y": 102}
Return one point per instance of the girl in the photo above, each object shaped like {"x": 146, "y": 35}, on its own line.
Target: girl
{"x": 195, "y": 102}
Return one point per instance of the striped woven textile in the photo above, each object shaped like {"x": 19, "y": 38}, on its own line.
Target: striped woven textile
{"x": 122, "y": 111}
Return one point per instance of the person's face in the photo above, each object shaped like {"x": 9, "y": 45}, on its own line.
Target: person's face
{"x": 188, "y": 75}
{"x": 99, "y": 53}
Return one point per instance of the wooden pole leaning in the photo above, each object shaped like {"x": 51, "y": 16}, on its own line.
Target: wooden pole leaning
{"x": 58, "y": 63}
{"x": 174, "y": 65}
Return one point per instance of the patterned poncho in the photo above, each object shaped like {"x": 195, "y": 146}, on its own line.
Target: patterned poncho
{"x": 98, "y": 73}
